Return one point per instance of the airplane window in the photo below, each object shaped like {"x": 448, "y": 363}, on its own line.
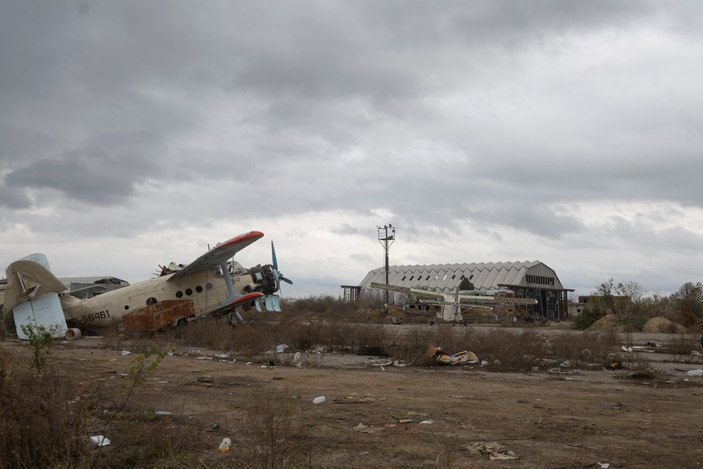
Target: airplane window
{"x": 189, "y": 291}
{"x": 126, "y": 307}
{"x": 199, "y": 289}
{"x": 150, "y": 301}
{"x": 179, "y": 294}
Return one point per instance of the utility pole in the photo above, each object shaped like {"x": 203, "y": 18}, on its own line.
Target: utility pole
{"x": 386, "y": 236}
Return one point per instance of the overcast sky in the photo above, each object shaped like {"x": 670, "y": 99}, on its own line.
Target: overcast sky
{"x": 135, "y": 133}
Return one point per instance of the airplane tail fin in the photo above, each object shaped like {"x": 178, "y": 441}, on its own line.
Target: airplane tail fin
{"x": 31, "y": 294}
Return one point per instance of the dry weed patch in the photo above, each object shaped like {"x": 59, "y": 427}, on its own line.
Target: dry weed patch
{"x": 42, "y": 419}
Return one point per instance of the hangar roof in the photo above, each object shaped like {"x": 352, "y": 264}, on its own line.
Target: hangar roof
{"x": 483, "y": 275}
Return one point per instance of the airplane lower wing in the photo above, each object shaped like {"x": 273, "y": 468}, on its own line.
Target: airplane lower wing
{"x": 230, "y": 305}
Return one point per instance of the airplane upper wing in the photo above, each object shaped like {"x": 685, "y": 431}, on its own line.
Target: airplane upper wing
{"x": 219, "y": 254}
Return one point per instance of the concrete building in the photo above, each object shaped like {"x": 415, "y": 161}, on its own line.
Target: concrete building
{"x": 526, "y": 279}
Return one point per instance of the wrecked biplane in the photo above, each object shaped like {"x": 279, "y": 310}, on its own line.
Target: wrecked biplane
{"x": 210, "y": 285}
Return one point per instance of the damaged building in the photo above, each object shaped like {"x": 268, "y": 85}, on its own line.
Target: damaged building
{"x": 532, "y": 280}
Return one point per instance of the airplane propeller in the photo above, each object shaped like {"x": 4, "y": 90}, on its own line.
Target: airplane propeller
{"x": 274, "y": 263}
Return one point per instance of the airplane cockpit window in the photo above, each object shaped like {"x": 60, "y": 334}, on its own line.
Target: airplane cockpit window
{"x": 236, "y": 268}
{"x": 151, "y": 301}
{"x": 217, "y": 271}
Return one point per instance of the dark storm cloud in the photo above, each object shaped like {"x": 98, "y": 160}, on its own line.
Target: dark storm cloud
{"x": 94, "y": 178}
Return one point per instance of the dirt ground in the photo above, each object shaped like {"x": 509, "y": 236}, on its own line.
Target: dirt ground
{"x": 377, "y": 415}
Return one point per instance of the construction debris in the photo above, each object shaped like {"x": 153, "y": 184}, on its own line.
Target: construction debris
{"x": 443, "y": 358}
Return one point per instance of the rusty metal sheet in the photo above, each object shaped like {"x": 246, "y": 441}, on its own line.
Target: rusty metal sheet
{"x": 158, "y": 316}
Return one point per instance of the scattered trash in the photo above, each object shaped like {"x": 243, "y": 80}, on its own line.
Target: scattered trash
{"x": 281, "y": 348}
{"x": 694, "y": 372}
{"x": 603, "y": 465}
{"x": 494, "y": 450}
{"x": 650, "y": 344}
{"x": 405, "y": 421}
{"x": 443, "y": 358}
{"x": 225, "y": 445}
{"x": 695, "y": 353}
{"x": 100, "y": 440}
{"x": 426, "y": 422}
{"x": 366, "y": 429}
{"x": 213, "y": 428}
{"x": 125, "y": 352}
{"x": 162, "y": 413}
{"x": 626, "y": 349}
{"x": 319, "y": 400}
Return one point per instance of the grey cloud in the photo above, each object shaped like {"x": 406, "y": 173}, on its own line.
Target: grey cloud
{"x": 13, "y": 199}
{"x": 94, "y": 178}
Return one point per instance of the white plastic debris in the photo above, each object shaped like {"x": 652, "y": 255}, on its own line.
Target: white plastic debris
{"x": 100, "y": 440}
{"x": 125, "y": 352}
{"x": 426, "y": 422}
{"x": 280, "y": 348}
{"x": 626, "y": 349}
{"x": 319, "y": 400}
{"x": 695, "y": 372}
{"x": 225, "y": 445}
{"x": 162, "y": 413}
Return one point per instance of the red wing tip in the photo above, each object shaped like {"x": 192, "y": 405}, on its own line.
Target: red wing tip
{"x": 247, "y": 297}
{"x": 251, "y": 236}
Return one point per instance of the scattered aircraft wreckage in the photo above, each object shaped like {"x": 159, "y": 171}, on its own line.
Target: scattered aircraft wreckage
{"x": 211, "y": 285}
{"x": 458, "y": 305}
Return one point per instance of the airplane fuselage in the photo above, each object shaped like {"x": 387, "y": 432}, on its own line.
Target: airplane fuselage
{"x": 206, "y": 290}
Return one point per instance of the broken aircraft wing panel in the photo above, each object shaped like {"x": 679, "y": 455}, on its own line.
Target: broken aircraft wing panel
{"x": 219, "y": 254}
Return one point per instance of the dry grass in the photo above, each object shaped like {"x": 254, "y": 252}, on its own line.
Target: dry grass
{"x": 42, "y": 420}
{"x": 271, "y": 419}
{"x": 583, "y": 348}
